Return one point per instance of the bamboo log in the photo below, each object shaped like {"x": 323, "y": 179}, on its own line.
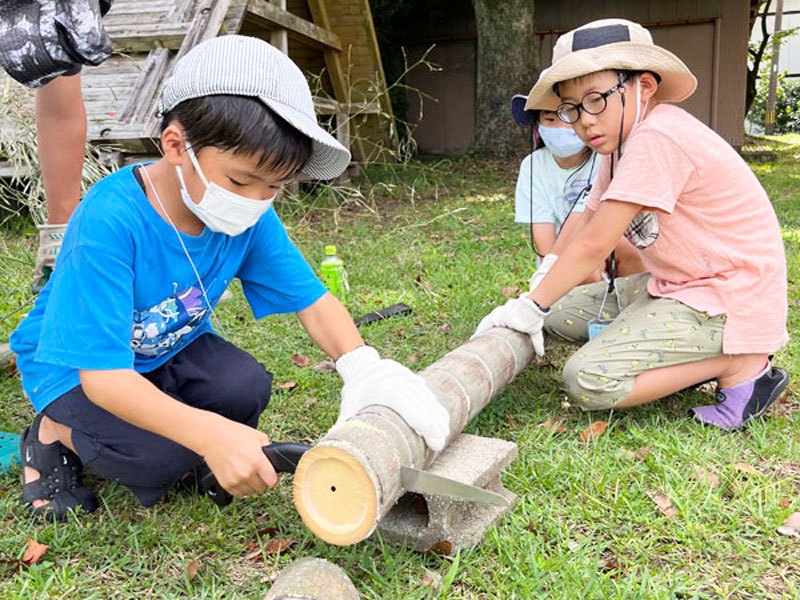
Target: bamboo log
{"x": 312, "y": 579}
{"x": 348, "y": 482}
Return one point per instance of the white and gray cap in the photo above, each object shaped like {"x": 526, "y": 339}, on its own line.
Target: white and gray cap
{"x": 245, "y": 66}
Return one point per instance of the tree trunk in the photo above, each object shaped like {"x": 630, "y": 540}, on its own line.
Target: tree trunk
{"x": 508, "y": 64}
{"x": 758, "y": 11}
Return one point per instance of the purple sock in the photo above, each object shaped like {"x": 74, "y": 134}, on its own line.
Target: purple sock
{"x": 737, "y": 404}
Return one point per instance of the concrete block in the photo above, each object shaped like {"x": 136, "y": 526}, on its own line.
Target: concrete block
{"x": 424, "y": 521}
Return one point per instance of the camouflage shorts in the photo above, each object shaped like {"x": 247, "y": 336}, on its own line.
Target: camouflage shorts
{"x": 649, "y": 333}
{"x": 44, "y": 39}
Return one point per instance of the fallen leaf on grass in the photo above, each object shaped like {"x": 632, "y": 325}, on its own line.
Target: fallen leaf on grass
{"x": 640, "y": 454}
{"x": 553, "y": 426}
{"x": 700, "y": 474}
{"x": 311, "y": 401}
{"x": 533, "y": 529}
{"x": 287, "y": 385}
{"x": 326, "y": 366}
{"x": 300, "y": 360}
{"x": 745, "y": 468}
{"x": 594, "y": 431}
{"x": 191, "y": 569}
{"x": 785, "y": 502}
{"x": 445, "y": 328}
{"x": 511, "y": 290}
{"x": 791, "y": 526}
{"x": 273, "y": 546}
{"x": 610, "y": 564}
{"x": 277, "y": 545}
{"x": 34, "y": 552}
{"x": 444, "y": 547}
{"x": 663, "y": 503}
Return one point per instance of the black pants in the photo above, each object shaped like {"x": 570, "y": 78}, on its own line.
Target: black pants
{"x": 210, "y": 374}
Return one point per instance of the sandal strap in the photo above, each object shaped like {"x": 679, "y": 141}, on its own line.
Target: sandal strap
{"x": 59, "y": 468}
{"x": 62, "y": 503}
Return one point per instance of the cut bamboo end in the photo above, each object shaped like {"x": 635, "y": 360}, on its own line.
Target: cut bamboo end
{"x": 335, "y": 496}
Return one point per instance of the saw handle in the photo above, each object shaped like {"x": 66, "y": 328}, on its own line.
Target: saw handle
{"x": 284, "y": 457}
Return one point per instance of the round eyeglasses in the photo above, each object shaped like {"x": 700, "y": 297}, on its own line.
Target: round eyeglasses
{"x": 593, "y": 103}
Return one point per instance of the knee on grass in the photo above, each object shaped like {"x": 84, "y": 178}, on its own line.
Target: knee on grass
{"x": 590, "y": 387}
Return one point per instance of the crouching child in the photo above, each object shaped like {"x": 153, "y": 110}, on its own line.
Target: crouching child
{"x": 119, "y": 355}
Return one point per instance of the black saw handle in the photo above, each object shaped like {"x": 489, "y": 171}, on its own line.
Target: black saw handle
{"x": 284, "y": 457}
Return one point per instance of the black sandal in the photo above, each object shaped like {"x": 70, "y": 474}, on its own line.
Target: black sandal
{"x": 59, "y": 476}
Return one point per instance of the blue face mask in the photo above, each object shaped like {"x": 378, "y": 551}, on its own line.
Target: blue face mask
{"x": 562, "y": 141}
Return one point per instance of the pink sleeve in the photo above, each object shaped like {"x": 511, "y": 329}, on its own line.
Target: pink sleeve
{"x": 654, "y": 172}
{"x": 600, "y": 184}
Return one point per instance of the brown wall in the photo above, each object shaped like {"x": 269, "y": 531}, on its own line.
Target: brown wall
{"x": 448, "y": 109}
{"x": 710, "y": 36}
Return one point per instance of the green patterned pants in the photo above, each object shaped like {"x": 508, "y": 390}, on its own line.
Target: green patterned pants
{"x": 649, "y": 333}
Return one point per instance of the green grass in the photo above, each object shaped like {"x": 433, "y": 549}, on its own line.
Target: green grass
{"x": 440, "y": 237}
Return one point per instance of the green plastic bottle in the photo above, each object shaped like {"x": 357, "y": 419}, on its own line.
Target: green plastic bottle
{"x": 332, "y": 272}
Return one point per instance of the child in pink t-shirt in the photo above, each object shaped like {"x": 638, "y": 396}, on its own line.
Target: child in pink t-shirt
{"x": 713, "y": 304}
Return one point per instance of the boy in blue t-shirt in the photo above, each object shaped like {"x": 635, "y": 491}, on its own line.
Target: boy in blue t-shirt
{"x": 119, "y": 356}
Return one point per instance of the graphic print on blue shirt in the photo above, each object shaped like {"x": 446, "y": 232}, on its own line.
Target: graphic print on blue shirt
{"x": 160, "y": 328}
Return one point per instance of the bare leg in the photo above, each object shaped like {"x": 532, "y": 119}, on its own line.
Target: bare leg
{"x": 61, "y": 128}
{"x": 728, "y": 370}
{"x": 49, "y": 432}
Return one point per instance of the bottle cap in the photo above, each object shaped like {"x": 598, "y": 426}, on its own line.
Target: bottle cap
{"x": 330, "y": 250}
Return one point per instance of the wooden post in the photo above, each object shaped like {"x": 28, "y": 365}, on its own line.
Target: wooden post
{"x": 348, "y": 482}
{"x": 280, "y": 37}
{"x": 769, "y": 115}
{"x": 312, "y": 579}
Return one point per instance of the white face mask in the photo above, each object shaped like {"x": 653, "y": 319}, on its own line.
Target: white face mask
{"x": 562, "y": 141}
{"x": 221, "y": 210}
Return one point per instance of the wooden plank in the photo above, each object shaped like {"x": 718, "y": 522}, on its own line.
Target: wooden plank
{"x": 279, "y": 37}
{"x": 235, "y": 16}
{"x": 130, "y": 138}
{"x": 180, "y": 10}
{"x": 147, "y": 36}
{"x": 333, "y": 60}
{"x": 142, "y": 96}
{"x": 206, "y": 24}
{"x": 306, "y": 31}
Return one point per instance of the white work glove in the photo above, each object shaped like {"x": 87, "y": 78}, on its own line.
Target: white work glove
{"x": 520, "y": 314}
{"x": 371, "y": 380}
{"x": 547, "y": 262}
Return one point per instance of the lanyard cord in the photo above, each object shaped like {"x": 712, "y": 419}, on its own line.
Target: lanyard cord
{"x": 186, "y": 252}
{"x": 587, "y": 188}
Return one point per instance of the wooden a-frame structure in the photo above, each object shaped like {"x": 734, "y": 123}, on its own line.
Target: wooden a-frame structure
{"x": 333, "y": 41}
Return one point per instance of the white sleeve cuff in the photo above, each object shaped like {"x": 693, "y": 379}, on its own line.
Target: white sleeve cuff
{"x": 351, "y": 363}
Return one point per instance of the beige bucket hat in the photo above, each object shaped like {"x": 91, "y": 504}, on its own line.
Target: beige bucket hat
{"x": 615, "y": 44}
